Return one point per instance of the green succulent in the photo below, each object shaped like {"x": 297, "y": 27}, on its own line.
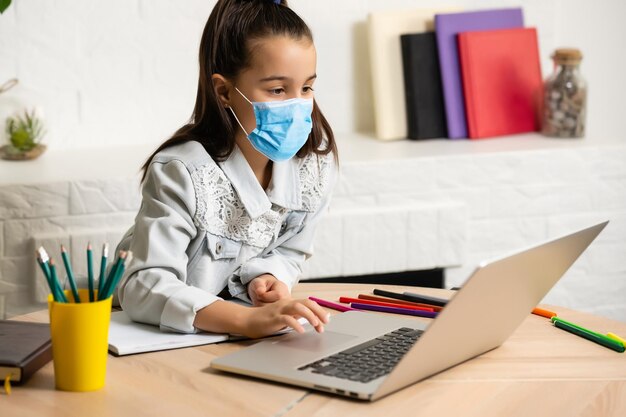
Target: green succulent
{"x": 25, "y": 131}
{"x": 4, "y": 4}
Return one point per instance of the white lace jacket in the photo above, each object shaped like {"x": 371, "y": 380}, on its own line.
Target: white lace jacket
{"x": 204, "y": 226}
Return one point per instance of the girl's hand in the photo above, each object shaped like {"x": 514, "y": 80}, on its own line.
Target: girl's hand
{"x": 270, "y": 318}
{"x": 266, "y": 289}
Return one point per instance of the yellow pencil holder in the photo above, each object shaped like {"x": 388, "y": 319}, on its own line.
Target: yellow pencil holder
{"x": 80, "y": 333}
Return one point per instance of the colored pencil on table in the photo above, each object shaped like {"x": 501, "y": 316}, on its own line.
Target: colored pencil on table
{"x": 588, "y": 334}
{"x": 411, "y": 297}
{"x": 70, "y": 273}
{"x": 395, "y": 310}
{"x": 90, "y": 271}
{"x": 428, "y": 299}
{"x": 616, "y": 338}
{"x": 544, "y": 313}
{"x": 103, "y": 267}
{"x": 382, "y": 303}
{"x": 396, "y": 301}
{"x": 330, "y": 304}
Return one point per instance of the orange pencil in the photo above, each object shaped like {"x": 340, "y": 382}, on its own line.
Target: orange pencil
{"x": 393, "y": 300}
{"x": 381, "y": 303}
{"x": 545, "y": 313}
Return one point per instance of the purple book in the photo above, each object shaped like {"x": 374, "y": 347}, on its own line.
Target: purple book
{"x": 447, "y": 26}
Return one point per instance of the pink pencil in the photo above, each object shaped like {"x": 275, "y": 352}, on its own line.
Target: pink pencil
{"x": 332, "y": 305}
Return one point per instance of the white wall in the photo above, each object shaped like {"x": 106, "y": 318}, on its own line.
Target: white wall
{"x": 125, "y": 71}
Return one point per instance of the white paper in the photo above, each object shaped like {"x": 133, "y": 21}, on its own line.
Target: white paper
{"x": 127, "y": 337}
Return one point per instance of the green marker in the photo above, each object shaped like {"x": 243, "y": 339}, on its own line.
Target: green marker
{"x": 569, "y": 323}
{"x": 588, "y": 334}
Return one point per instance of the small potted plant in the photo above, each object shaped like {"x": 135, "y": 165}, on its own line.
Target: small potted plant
{"x": 24, "y": 133}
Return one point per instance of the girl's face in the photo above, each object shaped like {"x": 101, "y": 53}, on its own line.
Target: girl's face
{"x": 281, "y": 68}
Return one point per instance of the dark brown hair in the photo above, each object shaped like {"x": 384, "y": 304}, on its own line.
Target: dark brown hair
{"x": 225, "y": 49}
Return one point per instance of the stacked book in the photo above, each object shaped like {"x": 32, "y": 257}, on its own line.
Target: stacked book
{"x": 470, "y": 75}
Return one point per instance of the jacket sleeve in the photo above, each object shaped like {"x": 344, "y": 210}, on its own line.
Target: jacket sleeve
{"x": 286, "y": 260}
{"x": 155, "y": 290}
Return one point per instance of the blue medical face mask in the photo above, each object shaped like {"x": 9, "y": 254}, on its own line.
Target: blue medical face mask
{"x": 282, "y": 127}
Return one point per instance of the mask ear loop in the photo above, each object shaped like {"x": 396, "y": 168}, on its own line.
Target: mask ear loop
{"x": 233, "y": 112}
{"x": 238, "y": 122}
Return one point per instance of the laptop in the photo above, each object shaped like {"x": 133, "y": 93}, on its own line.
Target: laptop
{"x": 368, "y": 355}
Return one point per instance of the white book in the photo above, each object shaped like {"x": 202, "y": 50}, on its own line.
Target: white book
{"x": 127, "y": 337}
{"x": 384, "y": 30}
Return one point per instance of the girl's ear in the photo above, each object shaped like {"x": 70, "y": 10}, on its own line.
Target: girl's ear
{"x": 222, "y": 88}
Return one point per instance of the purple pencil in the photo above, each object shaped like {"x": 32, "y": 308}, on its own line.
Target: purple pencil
{"x": 395, "y": 310}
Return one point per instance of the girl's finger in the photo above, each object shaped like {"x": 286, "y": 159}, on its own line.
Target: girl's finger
{"x": 293, "y": 323}
{"x": 270, "y": 296}
{"x": 303, "y": 311}
{"x": 317, "y": 309}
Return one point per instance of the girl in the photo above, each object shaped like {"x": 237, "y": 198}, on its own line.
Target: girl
{"x": 230, "y": 202}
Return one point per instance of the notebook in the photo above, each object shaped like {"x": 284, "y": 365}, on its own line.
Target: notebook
{"x": 425, "y": 113}
{"x": 501, "y": 81}
{"x": 127, "y": 337}
{"x": 24, "y": 348}
{"x": 384, "y": 30}
{"x": 447, "y": 26}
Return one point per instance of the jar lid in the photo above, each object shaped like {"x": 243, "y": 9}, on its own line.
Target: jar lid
{"x": 567, "y": 56}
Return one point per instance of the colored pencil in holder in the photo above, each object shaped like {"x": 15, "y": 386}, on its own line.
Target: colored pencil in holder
{"x": 46, "y": 274}
{"x": 90, "y": 271}
{"x": 109, "y": 279}
{"x": 55, "y": 286}
{"x": 70, "y": 274}
{"x": 103, "y": 267}
{"x": 55, "y": 278}
{"x": 119, "y": 273}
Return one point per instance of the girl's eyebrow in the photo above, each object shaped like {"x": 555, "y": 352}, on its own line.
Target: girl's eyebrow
{"x": 283, "y": 77}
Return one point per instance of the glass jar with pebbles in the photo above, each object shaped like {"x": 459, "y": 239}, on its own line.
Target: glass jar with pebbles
{"x": 565, "y": 97}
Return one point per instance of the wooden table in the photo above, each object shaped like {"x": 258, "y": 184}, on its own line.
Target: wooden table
{"x": 539, "y": 371}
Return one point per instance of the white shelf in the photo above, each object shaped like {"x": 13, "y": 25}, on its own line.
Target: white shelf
{"x": 124, "y": 162}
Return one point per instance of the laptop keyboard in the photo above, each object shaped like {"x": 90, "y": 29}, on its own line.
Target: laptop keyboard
{"x": 369, "y": 360}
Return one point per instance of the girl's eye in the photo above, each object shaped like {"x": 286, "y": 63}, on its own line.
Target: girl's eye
{"x": 307, "y": 89}
{"x": 277, "y": 91}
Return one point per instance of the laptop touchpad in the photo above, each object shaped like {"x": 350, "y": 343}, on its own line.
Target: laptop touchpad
{"x": 315, "y": 342}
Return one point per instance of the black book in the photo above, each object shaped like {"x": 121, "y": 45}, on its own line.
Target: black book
{"x": 24, "y": 348}
{"x": 425, "y": 113}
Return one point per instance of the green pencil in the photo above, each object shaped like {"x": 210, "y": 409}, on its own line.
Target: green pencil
{"x": 70, "y": 274}
{"x": 103, "y": 267}
{"x": 46, "y": 274}
{"x": 54, "y": 282}
{"x": 55, "y": 278}
{"x": 112, "y": 273}
{"x": 90, "y": 271}
{"x": 127, "y": 257}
